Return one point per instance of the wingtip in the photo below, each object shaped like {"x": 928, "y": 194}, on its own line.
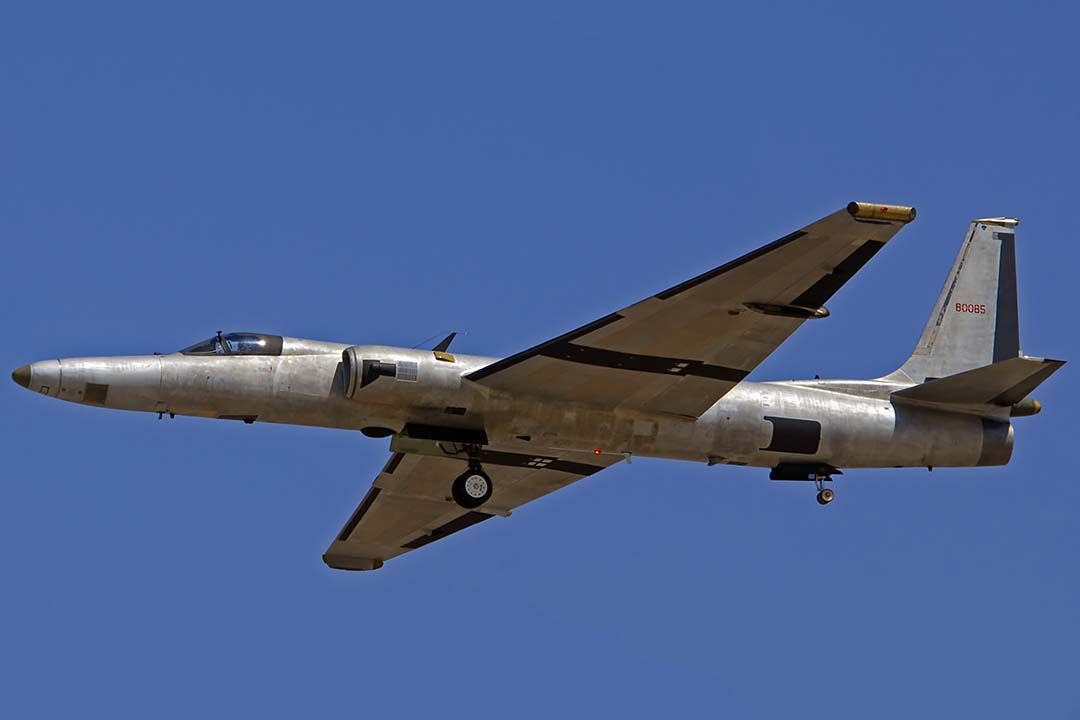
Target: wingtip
{"x": 350, "y": 562}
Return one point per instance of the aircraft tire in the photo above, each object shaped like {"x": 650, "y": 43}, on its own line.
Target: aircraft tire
{"x": 825, "y": 496}
{"x": 472, "y": 488}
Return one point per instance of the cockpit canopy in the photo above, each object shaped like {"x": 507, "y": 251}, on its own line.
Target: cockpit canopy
{"x": 237, "y": 343}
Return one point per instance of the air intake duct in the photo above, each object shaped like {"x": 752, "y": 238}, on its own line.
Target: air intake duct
{"x": 359, "y": 372}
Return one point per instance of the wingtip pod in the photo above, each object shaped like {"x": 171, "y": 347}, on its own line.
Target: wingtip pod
{"x": 877, "y": 211}
{"x": 1025, "y": 408}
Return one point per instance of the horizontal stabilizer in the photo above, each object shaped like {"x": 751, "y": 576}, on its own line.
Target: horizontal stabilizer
{"x": 1004, "y": 383}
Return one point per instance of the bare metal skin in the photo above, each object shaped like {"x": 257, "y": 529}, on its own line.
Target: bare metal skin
{"x": 858, "y": 429}
{"x": 948, "y": 406}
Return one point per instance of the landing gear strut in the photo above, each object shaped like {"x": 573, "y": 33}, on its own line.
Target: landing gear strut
{"x": 819, "y": 474}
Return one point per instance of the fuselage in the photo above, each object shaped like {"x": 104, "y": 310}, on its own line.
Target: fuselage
{"x": 845, "y": 424}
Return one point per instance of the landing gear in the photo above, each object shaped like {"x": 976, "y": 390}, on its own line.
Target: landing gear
{"x": 824, "y": 494}
{"x": 472, "y": 488}
{"x": 819, "y": 474}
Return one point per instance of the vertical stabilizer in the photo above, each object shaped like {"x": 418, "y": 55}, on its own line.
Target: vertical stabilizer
{"x": 974, "y": 322}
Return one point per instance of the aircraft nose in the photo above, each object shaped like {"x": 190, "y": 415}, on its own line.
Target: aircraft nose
{"x": 22, "y": 376}
{"x": 42, "y": 376}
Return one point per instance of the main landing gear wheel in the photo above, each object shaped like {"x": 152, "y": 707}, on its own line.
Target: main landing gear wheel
{"x": 472, "y": 488}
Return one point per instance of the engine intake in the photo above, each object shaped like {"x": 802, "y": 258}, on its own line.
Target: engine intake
{"x": 370, "y": 371}
{"x": 378, "y": 373}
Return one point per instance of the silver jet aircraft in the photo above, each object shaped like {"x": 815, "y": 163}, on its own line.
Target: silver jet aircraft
{"x": 476, "y": 437}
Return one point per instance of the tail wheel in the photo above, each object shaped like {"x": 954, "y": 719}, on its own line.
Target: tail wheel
{"x": 472, "y": 488}
{"x": 825, "y": 496}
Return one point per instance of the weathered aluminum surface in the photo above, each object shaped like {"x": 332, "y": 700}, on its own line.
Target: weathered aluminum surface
{"x": 661, "y": 378}
{"x": 860, "y": 426}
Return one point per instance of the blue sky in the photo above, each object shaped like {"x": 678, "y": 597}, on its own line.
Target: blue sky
{"x": 386, "y": 173}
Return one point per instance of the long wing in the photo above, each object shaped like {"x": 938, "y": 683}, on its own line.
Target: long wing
{"x": 681, "y": 350}
{"x": 409, "y": 504}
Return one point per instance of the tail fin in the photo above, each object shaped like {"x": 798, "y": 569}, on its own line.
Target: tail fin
{"x": 974, "y": 322}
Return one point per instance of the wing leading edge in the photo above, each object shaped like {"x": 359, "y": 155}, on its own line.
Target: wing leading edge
{"x": 681, "y": 350}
